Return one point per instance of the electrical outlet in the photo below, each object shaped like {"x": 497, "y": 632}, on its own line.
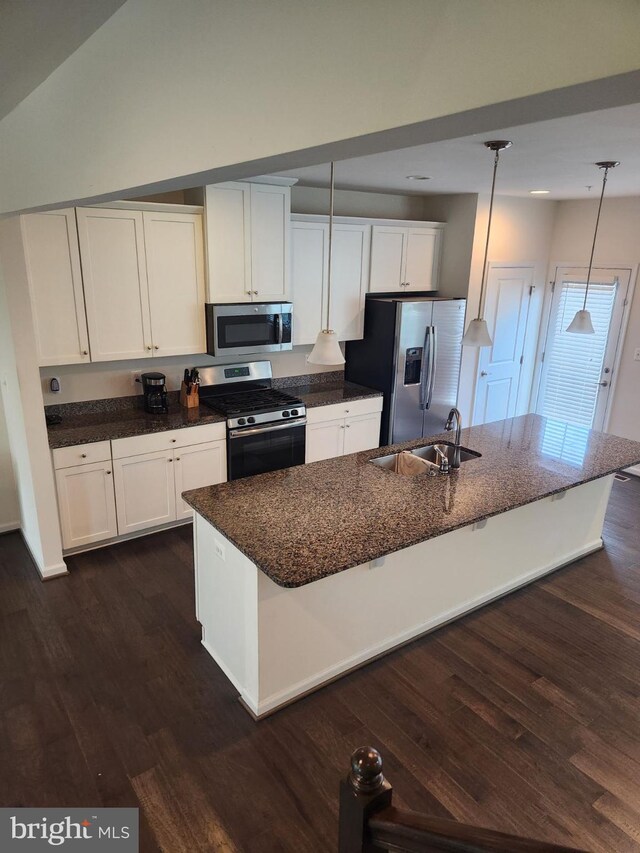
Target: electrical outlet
{"x": 219, "y": 549}
{"x": 135, "y": 380}
{"x": 636, "y": 355}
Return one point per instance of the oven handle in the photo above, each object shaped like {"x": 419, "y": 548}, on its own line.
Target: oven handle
{"x": 280, "y": 328}
{"x": 240, "y": 433}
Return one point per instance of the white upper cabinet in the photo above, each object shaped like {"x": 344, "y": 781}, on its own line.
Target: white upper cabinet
{"x": 309, "y": 272}
{"x": 405, "y": 258}
{"x": 247, "y": 239}
{"x": 270, "y": 229}
{"x": 55, "y": 286}
{"x": 115, "y": 283}
{"x": 228, "y": 224}
{"x": 175, "y": 271}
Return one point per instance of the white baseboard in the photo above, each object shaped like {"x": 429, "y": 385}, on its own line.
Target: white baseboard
{"x": 320, "y": 679}
{"x": 57, "y": 570}
{"x": 9, "y": 525}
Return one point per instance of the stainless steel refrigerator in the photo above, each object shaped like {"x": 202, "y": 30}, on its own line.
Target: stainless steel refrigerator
{"x": 411, "y": 351}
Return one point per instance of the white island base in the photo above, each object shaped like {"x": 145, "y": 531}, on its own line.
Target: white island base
{"x": 276, "y": 644}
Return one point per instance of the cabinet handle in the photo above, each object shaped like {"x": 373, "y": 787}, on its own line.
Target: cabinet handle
{"x": 407, "y": 284}
{"x": 173, "y": 440}
{"x": 148, "y": 348}
{"x": 83, "y": 455}
{"x": 248, "y": 292}
{"x": 85, "y": 352}
{"x": 255, "y": 292}
{"x": 107, "y": 472}
{"x": 347, "y": 411}
{"x": 156, "y": 347}
{"x": 341, "y": 426}
{"x": 348, "y": 426}
{"x": 169, "y": 460}
{"x": 177, "y": 458}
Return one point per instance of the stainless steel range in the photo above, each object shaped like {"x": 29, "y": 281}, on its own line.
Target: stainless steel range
{"x": 265, "y": 426}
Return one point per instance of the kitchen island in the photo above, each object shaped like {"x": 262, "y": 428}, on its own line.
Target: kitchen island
{"x": 305, "y": 573}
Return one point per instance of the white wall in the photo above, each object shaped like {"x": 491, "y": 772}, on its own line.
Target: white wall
{"x": 459, "y": 211}
{"x": 9, "y": 509}
{"x": 211, "y": 89}
{"x": 618, "y": 245}
{"x": 114, "y": 378}
{"x": 521, "y": 232}
{"x": 356, "y": 203}
{"x": 23, "y": 408}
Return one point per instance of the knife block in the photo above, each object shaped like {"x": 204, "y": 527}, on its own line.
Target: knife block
{"x": 189, "y": 401}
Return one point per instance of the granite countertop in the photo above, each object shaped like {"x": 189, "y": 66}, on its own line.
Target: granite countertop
{"x": 101, "y": 420}
{"x": 304, "y": 523}
{"x": 326, "y": 393}
{"x": 85, "y": 426}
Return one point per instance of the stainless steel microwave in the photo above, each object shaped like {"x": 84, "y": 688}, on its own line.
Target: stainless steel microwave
{"x": 246, "y": 328}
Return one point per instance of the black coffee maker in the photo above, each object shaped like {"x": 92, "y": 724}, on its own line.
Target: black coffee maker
{"x": 155, "y": 393}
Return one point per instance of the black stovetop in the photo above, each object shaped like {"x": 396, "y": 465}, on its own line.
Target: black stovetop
{"x": 249, "y": 402}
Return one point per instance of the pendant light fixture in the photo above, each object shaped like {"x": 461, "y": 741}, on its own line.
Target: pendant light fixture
{"x": 477, "y": 334}
{"x": 326, "y": 349}
{"x": 581, "y": 323}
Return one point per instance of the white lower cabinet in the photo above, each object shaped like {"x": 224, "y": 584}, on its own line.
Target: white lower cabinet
{"x": 195, "y": 467}
{"x": 86, "y": 503}
{"x": 339, "y": 429}
{"x": 145, "y": 492}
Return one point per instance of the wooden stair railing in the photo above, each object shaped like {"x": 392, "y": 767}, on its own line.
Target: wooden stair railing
{"x": 369, "y": 822}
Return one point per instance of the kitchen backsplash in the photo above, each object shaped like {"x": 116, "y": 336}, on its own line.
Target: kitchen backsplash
{"x": 104, "y": 380}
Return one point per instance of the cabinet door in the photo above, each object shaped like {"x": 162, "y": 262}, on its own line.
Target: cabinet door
{"x": 145, "y": 491}
{"x": 86, "y": 504}
{"x": 388, "y": 248}
{"x": 324, "y": 440}
{"x": 115, "y": 283}
{"x": 175, "y": 270}
{"x": 362, "y": 433}
{"x": 228, "y": 241}
{"x": 349, "y": 276}
{"x": 309, "y": 253}
{"x": 55, "y": 286}
{"x": 198, "y": 466}
{"x": 270, "y": 228}
{"x": 421, "y": 259}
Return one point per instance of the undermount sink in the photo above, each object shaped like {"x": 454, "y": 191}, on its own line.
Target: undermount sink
{"x": 429, "y": 454}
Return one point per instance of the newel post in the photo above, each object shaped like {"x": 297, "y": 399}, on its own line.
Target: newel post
{"x": 364, "y": 792}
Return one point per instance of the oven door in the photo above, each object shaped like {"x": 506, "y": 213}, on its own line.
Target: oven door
{"x": 256, "y": 450}
{"x": 250, "y": 328}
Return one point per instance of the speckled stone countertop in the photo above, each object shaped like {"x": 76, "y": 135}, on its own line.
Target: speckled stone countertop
{"x": 324, "y": 394}
{"x": 121, "y": 417}
{"x": 305, "y": 523}
{"x": 85, "y": 426}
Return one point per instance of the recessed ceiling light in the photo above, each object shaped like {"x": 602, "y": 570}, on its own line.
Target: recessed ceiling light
{"x": 539, "y": 192}
{"x": 418, "y": 178}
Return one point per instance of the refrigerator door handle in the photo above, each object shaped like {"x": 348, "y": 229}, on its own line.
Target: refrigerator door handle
{"x": 425, "y": 369}
{"x": 433, "y": 353}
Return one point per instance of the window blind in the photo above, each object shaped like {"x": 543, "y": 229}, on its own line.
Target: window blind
{"x": 573, "y": 363}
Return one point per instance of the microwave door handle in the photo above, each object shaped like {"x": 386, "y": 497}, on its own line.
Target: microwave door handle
{"x": 433, "y": 352}
{"x": 425, "y": 362}
{"x": 280, "y": 328}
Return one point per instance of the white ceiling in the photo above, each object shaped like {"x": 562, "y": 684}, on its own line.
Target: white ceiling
{"x": 556, "y": 155}
{"x": 38, "y": 35}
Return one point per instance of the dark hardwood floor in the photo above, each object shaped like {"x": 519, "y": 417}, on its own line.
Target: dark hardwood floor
{"x": 523, "y": 716}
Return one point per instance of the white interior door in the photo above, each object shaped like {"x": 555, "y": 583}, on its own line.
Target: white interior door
{"x": 508, "y": 299}
{"x": 577, "y": 370}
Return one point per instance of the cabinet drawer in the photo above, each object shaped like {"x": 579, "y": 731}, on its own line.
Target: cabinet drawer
{"x": 81, "y": 454}
{"x": 168, "y": 440}
{"x": 319, "y": 414}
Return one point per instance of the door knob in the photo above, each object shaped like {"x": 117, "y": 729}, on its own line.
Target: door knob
{"x": 604, "y": 383}
{"x": 483, "y": 373}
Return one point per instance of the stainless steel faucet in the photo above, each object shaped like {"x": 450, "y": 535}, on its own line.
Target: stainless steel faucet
{"x": 454, "y": 413}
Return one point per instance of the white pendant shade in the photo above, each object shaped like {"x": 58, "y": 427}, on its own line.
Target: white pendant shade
{"x": 581, "y": 323}
{"x": 326, "y": 349}
{"x": 477, "y": 334}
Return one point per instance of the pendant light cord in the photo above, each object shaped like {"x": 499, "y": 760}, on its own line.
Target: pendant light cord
{"x": 331, "y": 193}
{"x": 595, "y": 234}
{"x": 486, "y": 245}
